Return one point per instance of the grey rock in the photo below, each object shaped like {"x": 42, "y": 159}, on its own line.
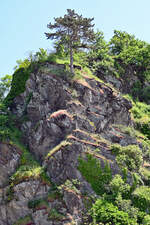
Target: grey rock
{"x": 9, "y": 161}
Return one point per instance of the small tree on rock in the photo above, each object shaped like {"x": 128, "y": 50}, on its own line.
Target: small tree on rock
{"x": 73, "y": 31}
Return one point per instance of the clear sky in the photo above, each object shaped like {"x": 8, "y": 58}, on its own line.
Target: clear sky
{"x": 23, "y": 23}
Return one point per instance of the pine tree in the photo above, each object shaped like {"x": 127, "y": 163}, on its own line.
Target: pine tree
{"x": 73, "y": 31}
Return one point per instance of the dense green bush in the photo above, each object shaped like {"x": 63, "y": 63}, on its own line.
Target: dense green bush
{"x": 106, "y": 213}
{"x": 20, "y": 77}
{"x": 146, "y": 220}
{"x": 92, "y": 171}
{"x": 127, "y": 206}
{"x": 7, "y": 124}
{"x": 145, "y": 174}
{"x": 141, "y": 116}
{"x": 141, "y": 198}
{"x": 118, "y": 187}
{"x": 128, "y": 156}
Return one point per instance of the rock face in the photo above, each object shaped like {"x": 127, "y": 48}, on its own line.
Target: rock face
{"x": 60, "y": 111}
{"x": 66, "y": 119}
{"x": 9, "y": 160}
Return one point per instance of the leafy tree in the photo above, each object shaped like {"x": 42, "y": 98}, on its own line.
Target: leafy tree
{"x": 132, "y": 56}
{"x": 120, "y": 41}
{"x": 99, "y": 57}
{"x": 73, "y": 31}
{"x": 5, "y": 83}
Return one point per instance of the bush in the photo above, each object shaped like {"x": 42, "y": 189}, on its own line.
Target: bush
{"x": 94, "y": 174}
{"x": 141, "y": 198}
{"x": 127, "y": 206}
{"x": 23, "y": 221}
{"x": 128, "y": 156}
{"x": 105, "y": 212}
{"x": 145, "y": 95}
{"x": 145, "y": 174}
{"x": 146, "y": 220}
{"x": 141, "y": 116}
{"x": 143, "y": 125}
{"x": 20, "y": 77}
{"x": 119, "y": 187}
{"x": 6, "y": 126}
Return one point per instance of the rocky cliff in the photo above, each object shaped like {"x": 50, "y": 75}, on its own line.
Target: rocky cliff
{"x": 63, "y": 120}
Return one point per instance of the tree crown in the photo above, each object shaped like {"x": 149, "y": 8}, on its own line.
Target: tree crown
{"x": 72, "y": 29}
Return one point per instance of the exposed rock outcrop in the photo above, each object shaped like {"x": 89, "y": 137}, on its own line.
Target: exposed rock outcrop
{"x": 65, "y": 119}
{"x": 9, "y": 160}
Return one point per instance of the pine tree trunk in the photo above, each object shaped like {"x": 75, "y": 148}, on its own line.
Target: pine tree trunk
{"x": 71, "y": 60}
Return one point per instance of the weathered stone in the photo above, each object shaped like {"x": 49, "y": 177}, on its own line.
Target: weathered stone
{"x": 9, "y": 160}
{"x": 67, "y": 119}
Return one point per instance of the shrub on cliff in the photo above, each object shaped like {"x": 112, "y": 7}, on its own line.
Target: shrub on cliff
{"x": 106, "y": 213}
{"x": 128, "y": 156}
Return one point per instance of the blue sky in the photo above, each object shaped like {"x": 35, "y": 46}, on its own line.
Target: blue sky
{"x": 23, "y": 23}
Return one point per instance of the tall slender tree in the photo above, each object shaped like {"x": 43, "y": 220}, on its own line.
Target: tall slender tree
{"x": 73, "y": 31}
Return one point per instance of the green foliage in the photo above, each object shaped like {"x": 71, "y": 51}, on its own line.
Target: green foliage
{"x": 141, "y": 198}
{"x": 53, "y": 195}
{"x": 7, "y": 128}
{"x": 121, "y": 41}
{"x": 131, "y": 131}
{"x": 141, "y": 116}
{"x": 118, "y": 187}
{"x": 73, "y": 31}
{"x": 145, "y": 174}
{"x": 128, "y": 156}
{"x": 144, "y": 95}
{"x": 55, "y": 215}
{"x": 22, "y": 73}
{"x": 71, "y": 185}
{"x": 99, "y": 58}
{"x": 136, "y": 89}
{"x": 106, "y": 213}
{"x": 23, "y": 63}
{"x": 131, "y": 52}
{"x": 24, "y": 221}
{"x": 140, "y": 92}
{"x": 146, "y": 220}
{"x": 143, "y": 125}
{"x": 92, "y": 171}
{"x": 62, "y": 145}
{"x": 26, "y": 172}
{"x": 52, "y": 58}
{"x": 20, "y": 77}
{"x": 146, "y": 149}
{"x": 5, "y": 83}
{"x": 28, "y": 167}
{"x": 127, "y": 206}
{"x": 9, "y": 193}
{"x": 140, "y": 110}
{"x": 38, "y": 204}
{"x": 41, "y": 55}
